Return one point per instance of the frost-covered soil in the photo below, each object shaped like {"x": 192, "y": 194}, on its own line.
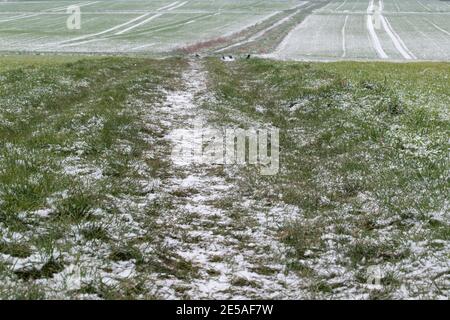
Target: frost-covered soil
{"x": 93, "y": 206}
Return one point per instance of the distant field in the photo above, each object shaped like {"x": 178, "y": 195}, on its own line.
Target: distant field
{"x": 129, "y": 26}
{"x": 368, "y": 29}
{"x": 290, "y": 29}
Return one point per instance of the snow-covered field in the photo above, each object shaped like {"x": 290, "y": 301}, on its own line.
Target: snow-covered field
{"x": 329, "y": 30}
{"x": 128, "y": 26}
{"x": 372, "y": 29}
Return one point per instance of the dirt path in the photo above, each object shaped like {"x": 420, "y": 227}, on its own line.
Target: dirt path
{"x": 228, "y": 240}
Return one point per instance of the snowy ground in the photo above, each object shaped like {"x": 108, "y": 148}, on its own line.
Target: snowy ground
{"x": 128, "y": 26}
{"x": 236, "y": 258}
{"x": 92, "y": 204}
{"x": 372, "y": 29}
{"x": 400, "y": 30}
{"x": 160, "y": 229}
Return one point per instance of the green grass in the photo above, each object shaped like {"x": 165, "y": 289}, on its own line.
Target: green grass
{"x": 50, "y": 117}
{"x": 72, "y": 141}
{"x": 17, "y": 61}
{"x": 364, "y": 157}
{"x": 364, "y": 153}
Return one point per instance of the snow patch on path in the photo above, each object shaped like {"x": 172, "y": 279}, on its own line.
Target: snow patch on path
{"x": 228, "y": 252}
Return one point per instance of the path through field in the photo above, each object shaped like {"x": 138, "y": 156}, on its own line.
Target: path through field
{"x": 232, "y": 245}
